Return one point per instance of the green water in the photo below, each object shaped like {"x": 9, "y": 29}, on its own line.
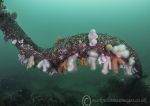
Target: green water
{"x": 46, "y": 20}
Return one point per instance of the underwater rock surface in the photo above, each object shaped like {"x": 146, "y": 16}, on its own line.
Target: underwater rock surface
{"x": 130, "y": 92}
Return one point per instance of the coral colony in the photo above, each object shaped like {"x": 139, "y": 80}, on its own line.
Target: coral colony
{"x": 88, "y": 49}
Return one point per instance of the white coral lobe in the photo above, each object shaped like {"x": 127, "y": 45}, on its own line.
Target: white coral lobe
{"x": 44, "y": 64}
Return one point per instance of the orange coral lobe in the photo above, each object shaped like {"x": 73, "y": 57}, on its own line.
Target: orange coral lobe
{"x": 63, "y": 67}
{"x": 116, "y": 62}
{"x": 121, "y": 61}
{"x": 83, "y": 61}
